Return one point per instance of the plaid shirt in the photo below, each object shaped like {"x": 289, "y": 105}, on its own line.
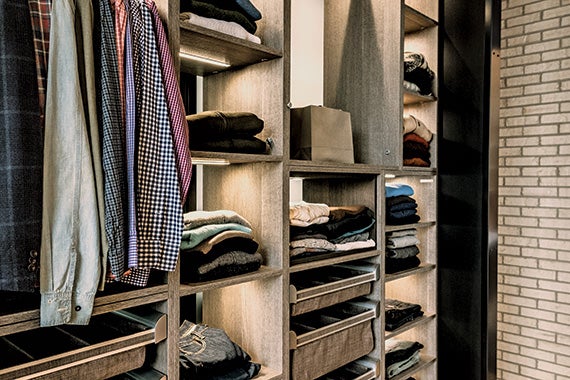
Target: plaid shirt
{"x": 176, "y": 110}
{"x": 113, "y": 141}
{"x": 40, "y": 12}
{"x": 120, "y": 36}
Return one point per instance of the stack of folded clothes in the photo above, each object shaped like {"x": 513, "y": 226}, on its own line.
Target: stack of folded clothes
{"x": 401, "y": 250}
{"x": 399, "y": 313}
{"x": 401, "y": 208}
{"x": 232, "y": 132}
{"x": 401, "y": 355}
{"x": 217, "y": 244}
{"x": 417, "y": 139}
{"x": 417, "y": 73}
{"x": 234, "y": 17}
{"x": 317, "y": 228}
{"x": 208, "y": 353}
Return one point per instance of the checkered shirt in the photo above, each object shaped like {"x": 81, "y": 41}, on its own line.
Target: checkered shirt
{"x": 175, "y": 106}
{"x": 158, "y": 202}
{"x": 120, "y": 35}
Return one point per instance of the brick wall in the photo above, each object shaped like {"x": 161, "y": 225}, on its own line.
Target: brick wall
{"x": 534, "y": 191}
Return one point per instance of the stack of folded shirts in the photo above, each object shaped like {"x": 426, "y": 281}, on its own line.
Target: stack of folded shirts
{"x": 234, "y": 17}
{"x": 401, "y": 355}
{"x": 402, "y": 250}
{"x": 208, "y": 353}
{"x": 217, "y": 244}
{"x": 417, "y": 71}
{"x": 417, "y": 139}
{"x": 399, "y": 313}
{"x": 401, "y": 208}
{"x": 317, "y": 228}
{"x": 232, "y": 132}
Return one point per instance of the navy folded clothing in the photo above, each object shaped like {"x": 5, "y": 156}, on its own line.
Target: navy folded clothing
{"x": 210, "y": 8}
{"x": 404, "y": 220}
{"x": 397, "y": 265}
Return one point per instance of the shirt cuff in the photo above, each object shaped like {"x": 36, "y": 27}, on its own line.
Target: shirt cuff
{"x": 58, "y": 308}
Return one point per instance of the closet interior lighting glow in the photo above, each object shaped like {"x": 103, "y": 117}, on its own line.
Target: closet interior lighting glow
{"x": 209, "y": 161}
{"x": 389, "y": 176}
{"x": 202, "y": 59}
{"x": 426, "y": 180}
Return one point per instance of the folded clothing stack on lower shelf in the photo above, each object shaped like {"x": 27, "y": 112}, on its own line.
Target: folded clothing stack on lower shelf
{"x": 401, "y": 355}
{"x": 401, "y": 208}
{"x": 417, "y": 140}
{"x": 317, "y": 228}
{"x": 402, "y": 250}
{"x": 208, "y": 353}
{"x": 399, "y": 313}
{"x": 217, "y": 244}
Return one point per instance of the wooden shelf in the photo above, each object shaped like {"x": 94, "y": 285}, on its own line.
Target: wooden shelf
{"x": 425, "y": 362}
{"x": 389, "y": 228}
{"x": 413, "y": 170}
{"x": 410, "y": 272}
{"x": 415, "y": 21}
{"x": 220, "y": 158}
{"x": 211, "y": 44}
{"x": 411, "y": 97}
{"x": 317, "y": 263}
{"x": 30, "y": 319}
{"x": 262, "y": 273}
{"x": 301, "y": 166}
{"x": 410, "y": 325}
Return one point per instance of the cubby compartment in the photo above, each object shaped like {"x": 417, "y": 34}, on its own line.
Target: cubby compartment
{"x": 111, "y": 344}
{"x": 322, "y": 287}
{"x": 332, "y": 337}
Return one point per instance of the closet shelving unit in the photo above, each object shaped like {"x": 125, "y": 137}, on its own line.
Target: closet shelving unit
{"x": 363, "y": 48}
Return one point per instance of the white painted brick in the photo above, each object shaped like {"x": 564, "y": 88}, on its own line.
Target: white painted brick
{"x": 545, "y": 254}
{"x": 564, "y": 129}
{"x": 542, "y": 67}
{"x": 555, "y": 265}
{"x": 509, "y": 230}
{"x": 522, "y": 161}
{"x": 563, "y": 277}
{"x": 555, "y": 140}
{"x": 540, "y": 130}
{"x": 518, "y": 301}
{"x": 512, "y": 12}
{"x": 564, "y": 255}
{"x": 508, "y": 347}
{"x": 555, "y": 161}
{"x": 564, "y": 170}
{"x": 508, "y": 309}
{"x": 523, "y": 39}
{"x": 553, "y": 244}
{"x": 523, "y": 20}
{"x": 562, "y": 213}
{"x": 563, "y": 298}
{"x": 512, "y": 91}
{"x": 564, "y": 149}
{"x": 538, "y": 274}
{"x": 543, "y": 5}
{"x": 539, "y": 212}
{"x": 521, "y": 181}
{"x": 513, "y": 376}
{"x": 555, "y": 118}
{"x": 511, "y": 112}
{"x": 514, "y": 58}
{"x": 539, "y": 172}
{"x": 564, "y": 192}
{"x": 554, "y": 11}
{"x": 521, "y": 241}
{"x": 522, "y": 141}
{"x": 553, "y": 368}
{"x": 565, "y": 234}
{"x": 541, "y": 315}
{"x": 521, "y": 360}
{"x": 555, "y": 181}
{"x": 530, "y": 88}
{"x": 563, "y": 336}
{"x": 539, "y": 233}
{"x": 554, "y": 306}
{"x": 521, "y": 262}
{"x": 540, "y": 151}
{"x": 511, "y": 130}
{"x": 554, "y": 223}
{"x": 540, "y": 355}
{"x": 532, "y": 373}
{"x": 504, "y": 365}
{"x": 522, "y": 100}
{"x": 540, "y": 191}
{"x": 515, "y": 71}
{"x": 521, "y": 221}
{"x": 555, "y": 202}
{"x": 542, "y": 47}
{"x": 508, "y": 53}
{"x": 521, "y": 281}
{"x": 537, "y": 293}
{"x": 542, "y": 336}
{"x": 555, "y": 55}
{"x": 508, "y": 250}
{"x": 563, "y": 360}
{"x": 555, "y": 76}
{"x": 521, "y": 121}
{"x": 563, "y": 319}
{"x": 506, "y": 152}
{"x": 554, "y": 285}
{"x": 507, "y": 289}
{"x": 556, "y": 33}
{"x": 515, "y": 211}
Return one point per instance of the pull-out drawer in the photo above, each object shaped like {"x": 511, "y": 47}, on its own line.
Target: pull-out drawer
{"x": 113, "y": 343}
{"x": 331, "y": 337}
{"x": 322, "y": 287}
{"x": 361, "y": 369}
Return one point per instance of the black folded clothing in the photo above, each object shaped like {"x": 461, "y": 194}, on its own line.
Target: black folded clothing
{"x": 335, "y": 229}
{"x": 416, "y": 70}
{"x": 403, "y": 220}
{"x": 397, "y": 265}
{"x": 216, "y": 125}
{"x": 205, "y": 9}
{"x": 401, "y": 351}
{"x": 398, "y": 313}
{"x": 231, "y": 263}
{"x": 400, "y": 202}
{"x": 402, "y": 252}
{"x": 251, "y": 145}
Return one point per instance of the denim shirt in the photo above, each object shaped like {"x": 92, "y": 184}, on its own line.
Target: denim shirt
{"x": 72, "y": 236}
